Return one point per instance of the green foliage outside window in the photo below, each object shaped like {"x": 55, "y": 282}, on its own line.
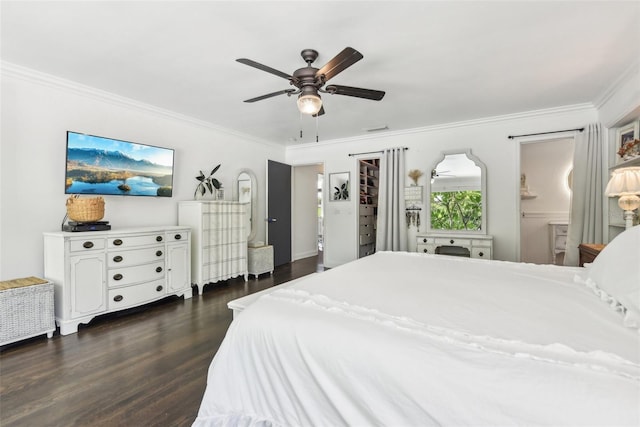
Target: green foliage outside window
{"x": 456, "y": 210}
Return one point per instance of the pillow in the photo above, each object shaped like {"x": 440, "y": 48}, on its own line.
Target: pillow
{"x": 616, "y": 270}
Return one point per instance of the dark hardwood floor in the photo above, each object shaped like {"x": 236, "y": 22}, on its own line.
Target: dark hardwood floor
{"x": 142, "y": 367}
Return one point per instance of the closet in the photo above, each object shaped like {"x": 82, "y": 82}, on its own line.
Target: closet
{"x": 368, "y": 207}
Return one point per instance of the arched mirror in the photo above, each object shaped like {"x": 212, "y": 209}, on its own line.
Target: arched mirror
{"x": 457, "y": 194}
{"x": 248, "y": 193}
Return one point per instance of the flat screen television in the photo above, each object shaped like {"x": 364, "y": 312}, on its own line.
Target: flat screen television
{"x": 105, "y": 166}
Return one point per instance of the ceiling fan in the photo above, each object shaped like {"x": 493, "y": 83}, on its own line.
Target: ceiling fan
{"x": 308, "y": 81}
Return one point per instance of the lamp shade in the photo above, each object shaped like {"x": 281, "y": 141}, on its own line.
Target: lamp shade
{"x": 624, "y": 182}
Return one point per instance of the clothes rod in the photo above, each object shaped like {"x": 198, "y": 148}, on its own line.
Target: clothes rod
{"x": 546, "y": 133}
{"x": 373, "y": 152}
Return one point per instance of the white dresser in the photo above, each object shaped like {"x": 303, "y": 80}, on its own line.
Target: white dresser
{"x": 218, "y": 240}
{"x": 100, "y": 272}
{"x": 466, "y": 245}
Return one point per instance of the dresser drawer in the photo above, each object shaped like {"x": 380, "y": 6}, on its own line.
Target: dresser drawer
{"x": 132, "y": 296}
{"x": 366, "y": 209}
{"x": 366, "y": 220}
{"x": 425, "y": 249}
{"x": 485, "y": 243}
{"x": 139, "y": 273}
{"x": 421, "y": 240}
{"x": 365, "y": 239}
{"x": 481, "y": 252}
{"x": 133, "y": 241}
{"x": 177, "y": 236}
{"x": 230, "y": 252}
{"x": 452, "y": 241}
{"x": 367, "y": 229}
{"x": 84, "y": 245}
{"x": 119, "y": 258}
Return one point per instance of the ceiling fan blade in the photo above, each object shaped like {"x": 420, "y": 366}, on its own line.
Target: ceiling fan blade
{"x": 321, "y": 112}
{"x": 358, "y": 92}
{"x": 340, "y": 62}
{"x": 270, "y": 95}
{"x": 259, "y": 66}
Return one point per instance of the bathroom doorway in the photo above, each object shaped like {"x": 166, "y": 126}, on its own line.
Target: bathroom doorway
{"x": 545, "y": 199}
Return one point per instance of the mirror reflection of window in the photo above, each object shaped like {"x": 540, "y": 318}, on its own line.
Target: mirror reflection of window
{"x": 456, "y": 194}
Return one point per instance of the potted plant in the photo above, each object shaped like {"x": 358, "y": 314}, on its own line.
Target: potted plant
{"x": 207, "y": 183}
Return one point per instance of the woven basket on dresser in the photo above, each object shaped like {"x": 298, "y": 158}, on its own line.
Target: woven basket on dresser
{"x": 26, "y": 309}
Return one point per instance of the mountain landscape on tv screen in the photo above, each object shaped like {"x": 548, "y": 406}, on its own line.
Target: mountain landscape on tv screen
{"x": 96, "y": 171}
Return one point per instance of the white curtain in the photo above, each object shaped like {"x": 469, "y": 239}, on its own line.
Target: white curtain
{"x": 587, "y": 196}
{"x": 391, "y": 233}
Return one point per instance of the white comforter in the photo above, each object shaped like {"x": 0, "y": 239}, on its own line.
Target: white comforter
{"x": 401, "y": 339}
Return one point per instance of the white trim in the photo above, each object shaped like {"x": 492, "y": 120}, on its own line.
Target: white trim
{"x": 628, "y": 74}
{"x": 11, "y": 70}
{"x": 434, "y": 128}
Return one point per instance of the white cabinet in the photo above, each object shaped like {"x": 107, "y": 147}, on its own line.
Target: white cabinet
{"x": 103, "y": 271}
{"x": 86, "y": 285}
{"x": 465, "y": 245}
{"x": 219, "y": 239}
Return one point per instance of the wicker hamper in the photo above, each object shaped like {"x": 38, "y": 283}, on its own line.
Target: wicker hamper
{"x": 85, "y": 210}
{"x": 26, "y": 309}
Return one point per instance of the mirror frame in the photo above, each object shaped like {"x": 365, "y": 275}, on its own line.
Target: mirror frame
{"x": 254, "y": 201}
{"x": 483, "y": 189}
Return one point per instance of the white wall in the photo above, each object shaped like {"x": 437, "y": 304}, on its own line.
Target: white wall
{"x": 546, "y": 165}
{"x": 37, "y": 110}
{"x": 487, "y": 139}
{"x": 304, "y": 231}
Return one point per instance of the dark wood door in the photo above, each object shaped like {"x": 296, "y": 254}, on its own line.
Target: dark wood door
{"x": 279, "y": 211}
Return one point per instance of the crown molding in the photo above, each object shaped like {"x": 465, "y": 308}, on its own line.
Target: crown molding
{"x": 15, "y": 71}
{"x": 452, "y": 125}
{"x": 622, "y": 80}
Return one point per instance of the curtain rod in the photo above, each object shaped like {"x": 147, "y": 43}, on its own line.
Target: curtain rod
{"x": 373, "y": 152}
{"x": 545, "y": 133}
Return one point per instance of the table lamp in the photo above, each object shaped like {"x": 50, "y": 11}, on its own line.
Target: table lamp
{"x": 625, "y": 183}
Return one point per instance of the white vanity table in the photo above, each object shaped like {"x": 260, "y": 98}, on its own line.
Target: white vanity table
{"x": 468, "y": 245}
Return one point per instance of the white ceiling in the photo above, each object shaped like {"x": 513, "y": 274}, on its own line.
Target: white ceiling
{"x": 438, "y": 61}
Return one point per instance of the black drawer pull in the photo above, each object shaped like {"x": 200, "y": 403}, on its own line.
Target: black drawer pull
{"x": 117, "y": 276}
{"x": 424, "y": 240}
{"x": 425, "y": 251}
{"x": 117, "y": 258}
{"x": 158, "y": 269}
{"x": 158, "y": 253}
{"x": 87, "y": 245}
{"x": 117, "y": 242}
{"x": 452, "y": 241}
{"x": 481, "y": 254}
{"x": 178, "y": 236}
{"x": 118, "y": 298}
{"x": 159, "y": 239}
{"x": 159, "y": 288}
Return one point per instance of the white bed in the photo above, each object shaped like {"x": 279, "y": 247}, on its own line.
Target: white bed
{"x": 404, "y": 339}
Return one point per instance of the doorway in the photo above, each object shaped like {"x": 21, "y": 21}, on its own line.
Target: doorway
{"x": 307, "y": 210}
{"x": 545, "y": 199}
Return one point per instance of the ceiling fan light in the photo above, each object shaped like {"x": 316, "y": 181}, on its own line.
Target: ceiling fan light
{"x": 309, "y": 103}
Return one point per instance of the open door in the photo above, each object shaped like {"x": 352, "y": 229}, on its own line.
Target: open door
{"x": 279, "y": 211}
